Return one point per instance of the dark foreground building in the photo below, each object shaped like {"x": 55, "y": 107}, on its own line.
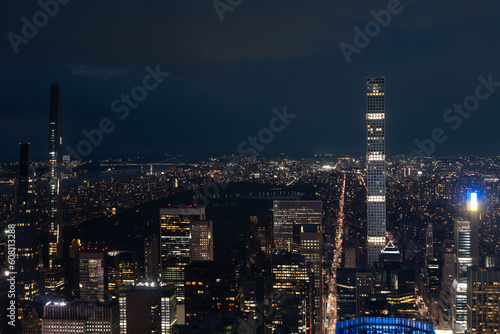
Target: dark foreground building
{"x": 212, "y": 324}
{"x": 144, "y": 310}
{"x": 211, "y": 288}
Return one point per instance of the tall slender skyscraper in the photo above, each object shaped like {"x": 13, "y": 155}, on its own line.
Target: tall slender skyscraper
{"x": 375, "y": 157}
{"x": 55, "y": 174}
{"x": 27, "y": 249}
{"x": 311, "y": 248}
{"x": 429, "y": 241}
{"x": 151, "y": 258}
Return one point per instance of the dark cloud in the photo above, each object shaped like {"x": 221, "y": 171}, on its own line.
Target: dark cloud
{"x": 102, "y": 73}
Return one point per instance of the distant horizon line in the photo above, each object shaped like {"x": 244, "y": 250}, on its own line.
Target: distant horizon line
{"x": 264, "y": 155}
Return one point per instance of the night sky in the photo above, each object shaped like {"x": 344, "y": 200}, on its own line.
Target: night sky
{"x": 227, "y": 76}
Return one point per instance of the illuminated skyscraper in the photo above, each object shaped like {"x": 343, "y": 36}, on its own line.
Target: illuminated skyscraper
{"x": 291, "y": 293}
{"x": 121, "y": 293}
{"x": 168, "y": 308}
{"x": 312, "y": 248}
{"x": 175, "y": 231}
{"x": 122, "y": 267}
{"x": 375, "y": 118}
{"x": 52, "y": 281}
{"x": 92, "y": 274}
{"x": 55, "y": 174}
{"x": 483, "y": 295}
{"x": 202, "y": 241}
{"x": 289, "y": 213}
{"x": 463, "y": 260}
{"x": 474, "y": 216}
{"x": 466, "y": 254}
{"x": 429, "y": 241}
{"x": 26, "y": 236}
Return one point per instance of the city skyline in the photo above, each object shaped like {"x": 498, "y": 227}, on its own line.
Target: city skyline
{"x": 248, "y": 167}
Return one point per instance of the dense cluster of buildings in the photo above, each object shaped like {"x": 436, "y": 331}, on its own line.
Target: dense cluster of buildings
{"x": 398, "y": 245}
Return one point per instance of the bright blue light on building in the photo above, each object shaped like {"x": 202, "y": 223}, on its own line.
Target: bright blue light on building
{"x": 372, "y": 325}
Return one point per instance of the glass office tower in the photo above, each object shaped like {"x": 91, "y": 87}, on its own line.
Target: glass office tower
{"x": 175, "y": 231}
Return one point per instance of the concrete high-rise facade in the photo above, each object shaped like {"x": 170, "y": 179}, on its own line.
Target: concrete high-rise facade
{"x": 202, "y": 241}
{"x": 375, "y": 156}
{"x": 151, "y": 258}
{"x": 287, "y": 214}
{"x": 54, "y": 228}
{"x": 81, "y": 317}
